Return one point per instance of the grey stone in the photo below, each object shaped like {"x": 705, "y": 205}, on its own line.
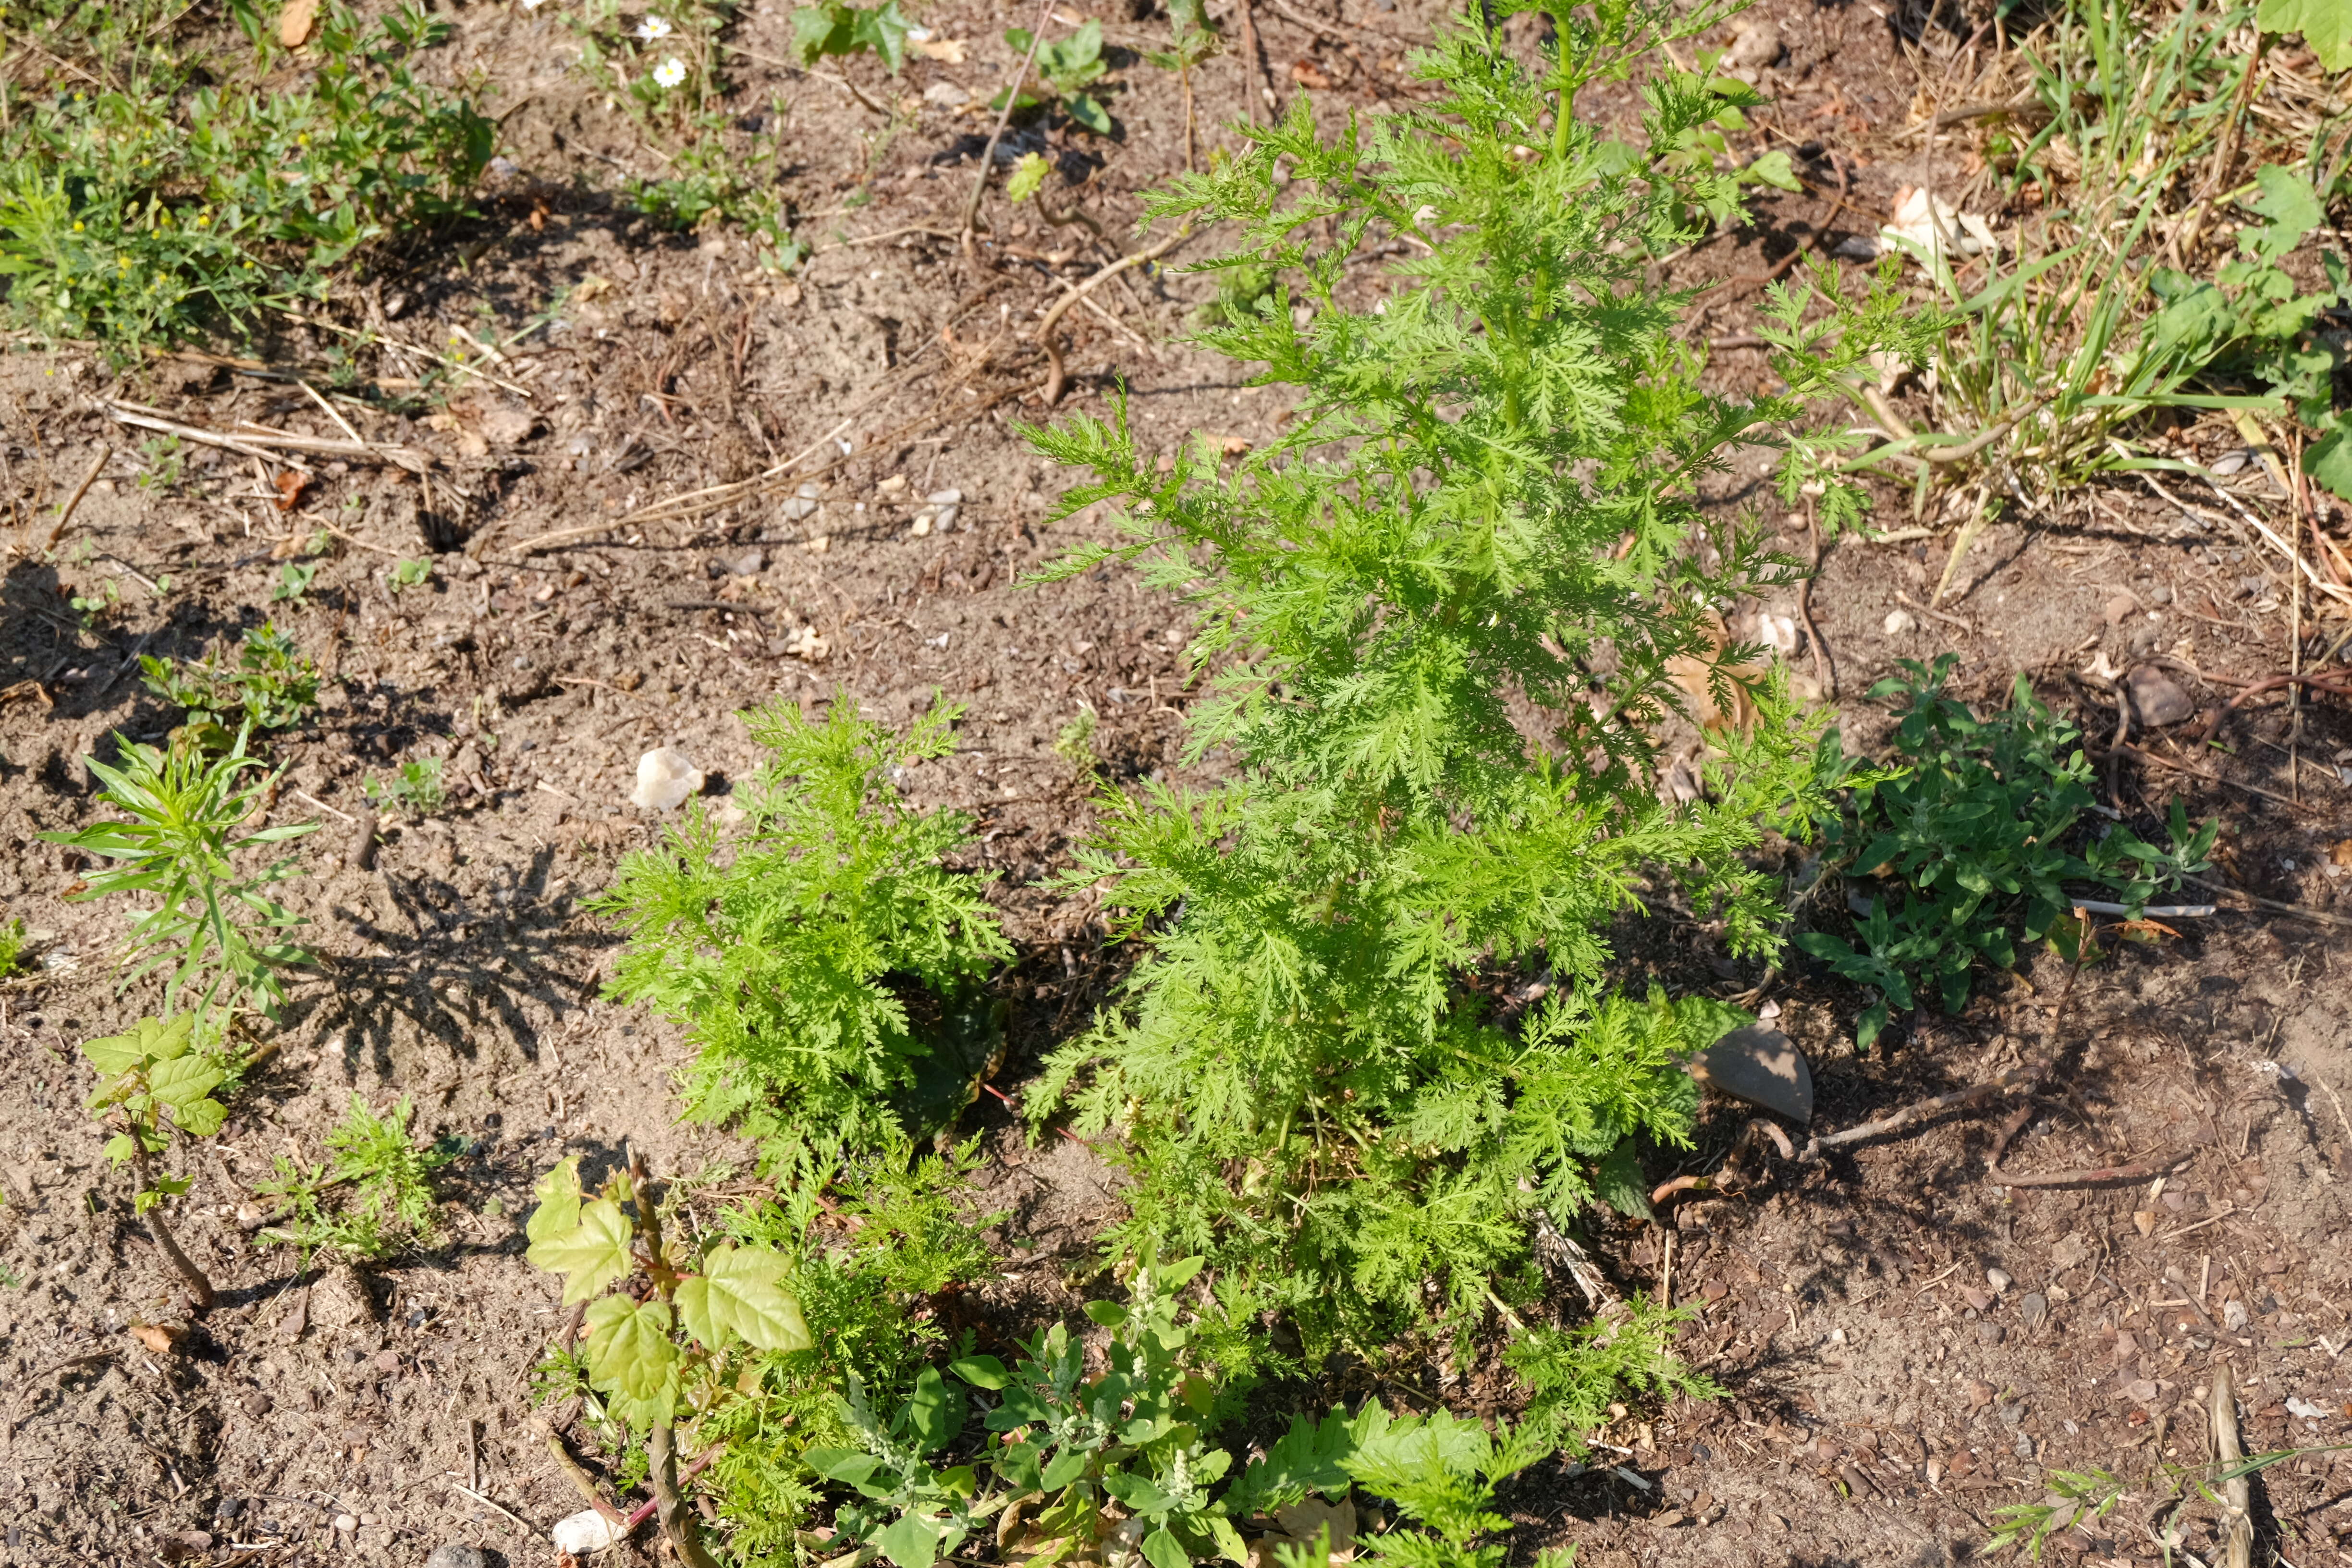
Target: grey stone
{"x": 455, "y": 1554}
{"x": 2032, "y": 1309}
{"x": 1762, "y": 1066}
{"x": 2156, "y": 698}
{"x": 1991, "y": 1334}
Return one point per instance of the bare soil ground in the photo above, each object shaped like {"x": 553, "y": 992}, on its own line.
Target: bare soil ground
{"x": 1906, "y": 1345}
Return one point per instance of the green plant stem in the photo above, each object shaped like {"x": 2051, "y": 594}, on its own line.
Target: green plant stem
{"x": 198, "y": 1286}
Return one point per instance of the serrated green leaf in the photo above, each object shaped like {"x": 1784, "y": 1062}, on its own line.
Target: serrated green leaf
{"x": 183, "y": 1080}
{"x": 558, "y": 1193}
{"x": 155, "y": 1039}
{"x": 201, "y": 1117}
{"x": 2325, "y": 26}
{"x": 120, "y": 1148}
{"x": 738, "y": 1294}
{"x": 592, "y": 1253}
{"x": 629, "y": 1349}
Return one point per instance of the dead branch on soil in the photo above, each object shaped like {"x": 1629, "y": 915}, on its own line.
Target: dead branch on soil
{"x": 1056, "y": 378}
{"x": 2135, "y": 1171}
{"x": 268, "y": 444}
{"x": 2237, "y": 1493}
{"x": 73, "y": 502}
{"x": 1919, "y": 1110}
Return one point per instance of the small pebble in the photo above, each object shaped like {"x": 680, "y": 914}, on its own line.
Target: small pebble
{"x": 2233, "y": 1315}
{"x": 1976, "y": 1298}
{"x": 457, "y": 1555}
{"x": 1998, "y": 1279}
{"x": 367, "y": 1519}
{"x": 346, "y": 1523}
{"x": 1898, "y": 622}
{"x": 1991, "y": 1334}
{"x": 2032, "y": 1309}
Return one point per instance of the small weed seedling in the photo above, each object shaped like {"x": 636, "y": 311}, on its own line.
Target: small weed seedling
{"x": 792, "y": 953}
{"x": 1972, "y": 831}
{"x": 1065, "y": 68}
{"x": 409, "y": 574}
{"x": 389, "y": 1180}
{"x": 415, "y": 791}
{"x": 2075, "y": 1497}
{"x": 272, "y": 686}
{"x": 1076, "y": 742}
{"x": 214, "y": 929}
{"x": 835, "y": 28}
{"x": 14, "y": 941}
{"x": 293, "y": 584}
{"x": 154, "y": 1082}
{"x": 670, "y": 1325}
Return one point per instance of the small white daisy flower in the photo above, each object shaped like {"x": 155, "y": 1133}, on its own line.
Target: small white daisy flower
{"x": 670, "y": 72}
{"x": 652, "y": 28}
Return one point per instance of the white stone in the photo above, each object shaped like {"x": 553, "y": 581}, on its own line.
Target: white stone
{"x": 1899, "y": 622}
{"x": 585, "y": 1531}
{"x": 665, "y": 780}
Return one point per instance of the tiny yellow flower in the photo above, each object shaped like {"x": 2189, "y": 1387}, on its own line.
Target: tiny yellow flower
{"x": 76, "y": 225}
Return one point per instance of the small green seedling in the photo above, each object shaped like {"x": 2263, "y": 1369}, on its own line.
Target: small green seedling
{"x": 409, "y": 574}
{"x": 670, "y": 1327}
{"x": 14, "y": 941}
{"x": 1076, "y": 742}
{"x": 293, "y": 586}
{"x": 95, "y": 603}
{"x": 271, "y": 686}
{"x": 211, "y": 927}
{"x": 2075, "y": 1497}
{"x": 390, "y": 1180}
{"x": 1067, "y": 67}
{"x": 154, "y": 1082}
{"x": 834, "y": 28}
{"x": 416, "y": 790}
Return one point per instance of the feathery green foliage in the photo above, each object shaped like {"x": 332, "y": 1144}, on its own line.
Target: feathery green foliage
{"x": 216, "y": 929}
{"x": 389, "y": 1179}
{"x": 1444, "y": 609}
{"x": 791, "y": 953}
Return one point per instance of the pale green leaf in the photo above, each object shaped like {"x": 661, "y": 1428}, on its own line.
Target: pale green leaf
{"x": 738, "y": 1293}
{"x": 629, "y": 1348}
{"x": 910, "y": 1541}
{"x": 2325, "y": 26}
{"x": 183, "y": 1080}
{"x": 592, "y": 1253}
{"x": 559, "y": 1201}
{"x": 202, "y": 1118}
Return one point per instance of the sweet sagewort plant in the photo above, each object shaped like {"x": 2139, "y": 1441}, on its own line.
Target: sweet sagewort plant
{"x": 1448, "y": 606}
{"x": 789, "y": 952}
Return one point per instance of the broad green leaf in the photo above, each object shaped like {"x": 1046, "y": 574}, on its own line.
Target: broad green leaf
{"x": 847, "y": 1466}
{"x": 2325, "y": 26}
{"x": 1617, "y": 1181}
{"x": 2329, "y": 460}
{"x": 1774, "y": 169}
{"x": 559, "y": 1201}
{"x": 883, "y": 30}
{"x": 1068, "y": 1466}
{"x": 737, "y": 1293}
{"x": 181, "y": 1081}
{"x": 935, "y": 1413}
{"x": 2293, "y": 210}
{"x": 1164, "y": 1550}
{"x": 1088, "y": 113}
{"x": 629, "y": 1348}
{"x": 981, "y": 1370}
{"x": 120, "y": 1148}
{"x": 592, "y": 1253}
{"x": 202, "y": 1118}
{"x": 909, "y": 1540}
{"x": 1110, "y": 1314}
{"x": 159, "y": 1038}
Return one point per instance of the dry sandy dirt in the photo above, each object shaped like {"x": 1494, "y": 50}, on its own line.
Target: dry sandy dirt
{"x": 1905, "y": 1345}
